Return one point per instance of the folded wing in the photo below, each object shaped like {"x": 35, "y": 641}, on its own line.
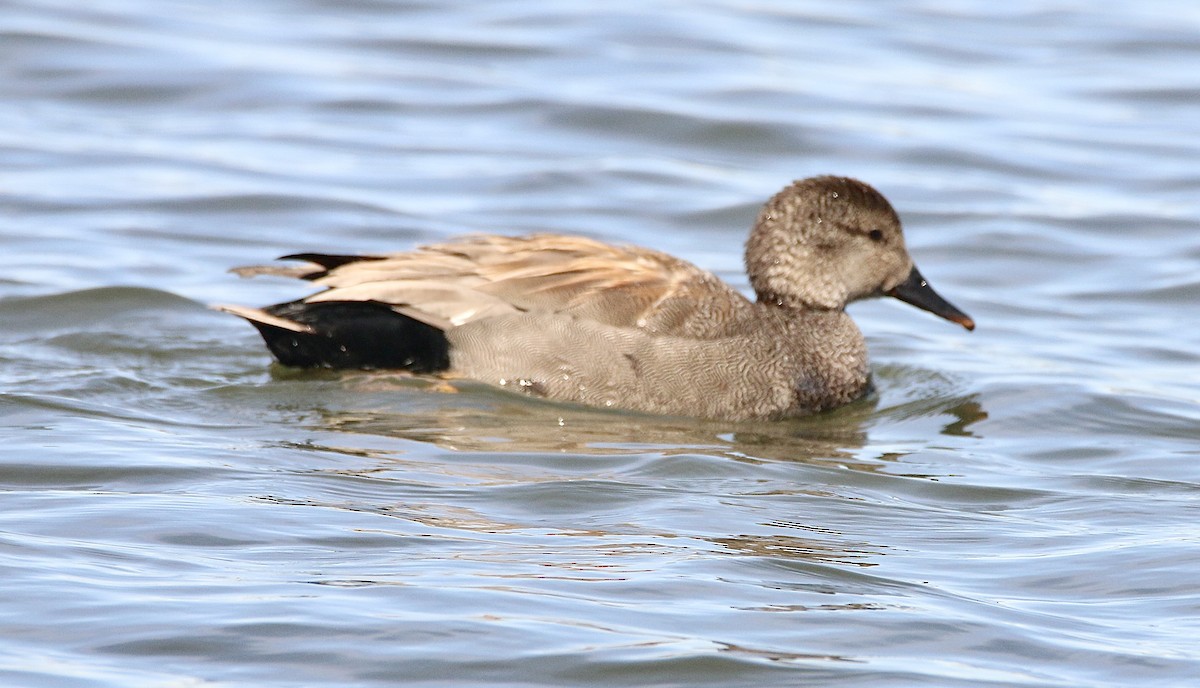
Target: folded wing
{"x": 450, "y": 284}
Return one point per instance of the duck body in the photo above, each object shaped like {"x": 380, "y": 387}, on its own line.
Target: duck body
{"x": 765, "y": 364}
{"x": 574, "y": 319}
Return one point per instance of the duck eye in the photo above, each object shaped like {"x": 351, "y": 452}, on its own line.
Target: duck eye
{"x": 876, "y": 234}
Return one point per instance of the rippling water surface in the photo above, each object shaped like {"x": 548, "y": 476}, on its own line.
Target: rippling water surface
{"x": 1017, "y": 506}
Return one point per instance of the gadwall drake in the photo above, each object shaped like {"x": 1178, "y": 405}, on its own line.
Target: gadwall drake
{"x": 574, "y": 319}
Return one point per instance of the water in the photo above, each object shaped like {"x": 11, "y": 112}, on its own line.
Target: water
{"x": 1015, "y": 507}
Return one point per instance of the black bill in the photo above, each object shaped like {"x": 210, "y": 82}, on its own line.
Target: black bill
{"x": 916, "y": 290}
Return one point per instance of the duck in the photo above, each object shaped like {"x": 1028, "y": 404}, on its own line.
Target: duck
{"x": 573, "y": 319}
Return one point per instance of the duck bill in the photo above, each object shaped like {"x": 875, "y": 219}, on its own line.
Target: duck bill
{"x": 916, "y": 290}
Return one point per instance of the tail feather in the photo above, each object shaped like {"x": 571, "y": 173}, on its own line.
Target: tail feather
{"x": 325, "y": 262}
{"x": 258, "y": 316}
{"x": 347, "y": 334}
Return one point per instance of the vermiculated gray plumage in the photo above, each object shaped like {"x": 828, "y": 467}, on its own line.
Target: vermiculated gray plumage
{"x": 575, "y": 319}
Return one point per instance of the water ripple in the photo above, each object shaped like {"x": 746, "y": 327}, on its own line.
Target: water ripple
{"x": 1011, "y": 507}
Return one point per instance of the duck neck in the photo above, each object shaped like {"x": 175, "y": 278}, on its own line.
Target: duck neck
{"x": 829, "y": 354}
{"x": 793, "y": 302}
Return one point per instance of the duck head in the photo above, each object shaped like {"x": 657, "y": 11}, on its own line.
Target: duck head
{"x": 824, "y": 242}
